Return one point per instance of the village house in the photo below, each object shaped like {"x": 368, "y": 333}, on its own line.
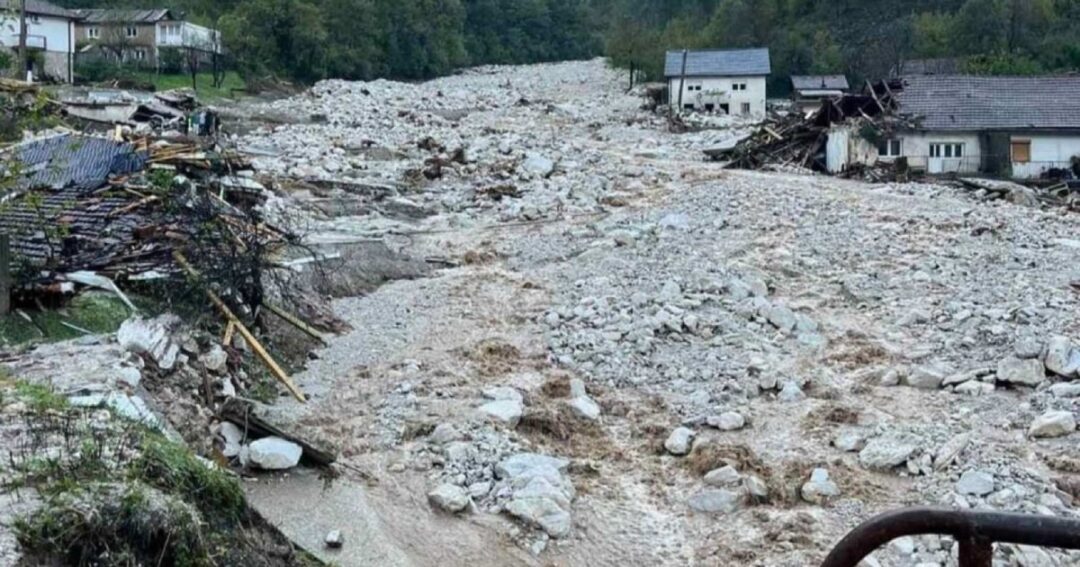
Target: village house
{"x": 142, "y": 36}
{"x": 50, "y": 38}
{"x": 807, "y": 91}
{"x": 729, "y": 81}
{"x": 1020, "y": 127}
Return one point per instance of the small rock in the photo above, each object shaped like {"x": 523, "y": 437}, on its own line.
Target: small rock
{"x": 334, "y": 539}
{"x": 782, "y": 318}
{"x": 504, "y": 411}
{"x": 1062, "y": 357}
{"x": 538, "y": 165}
{"x": 820, "y": 489}
{"x": 216, "y": 359}
{"x": 727, "y": 421}
{"x": 849, "y": 441}
{"x": 1053, "y": 424}
{"x": 715, "y": 501}
{"x": 1027, "y": 347}
{"x": 975, "y": 388}
{"x": 445, "y": 433}
{"x": 757, "y": 489}
{"x": 725, "y": 476}
{"x": 975, "y": 483}
{"x": 233, "y": 438}
{"x": 924, "y": 378}
{"x": 503, "y": 393}
{"x": 1023, "y": 372}
{"x": 888, "y": 451}
{"x": 274, "y": 453}
{"x": 791, "y": 393}
{"x": 449, "y": 498}
{"x": 585, "y": 408}
{"x": 678, "y": 443}
{"x": 1066, "y": 390}
{"x": 903, "y": 546}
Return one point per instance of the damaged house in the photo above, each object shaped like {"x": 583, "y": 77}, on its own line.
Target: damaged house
{"x": 50, "y": 37}
{"x": 1019, "y": 127}
{"x": 724, "y": 81}
{"x": 808, "y": 91}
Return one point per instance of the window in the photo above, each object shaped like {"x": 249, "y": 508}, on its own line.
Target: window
{"x": 948, "y": 150}
{"x": 694, "y": 87}
{"x": 709, "y": 107}
{"x": 738, "y": 86}
{"x": 35, "y": 19}
{"x": 93, "y": 33}
{"x": 132, "y": 31}
{"x": 889, "y": 148}
{"x": 746, "y": 108}
{"x": 688, "y": 107}
{"x": 1021, "y": 151}
{"x": 140, "y": 55}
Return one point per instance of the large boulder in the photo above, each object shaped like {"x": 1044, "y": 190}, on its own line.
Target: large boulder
{"x": 152, "y": 338}
{"x": 274, "y": 453}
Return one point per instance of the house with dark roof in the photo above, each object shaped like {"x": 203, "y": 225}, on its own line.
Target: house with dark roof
{"x": 50, "y": 37}
{"x": 141, "y": 37}
{"x": 809, "y": 90}
{"x": 1019, "y": 127}
{"x": 726, "y": 81}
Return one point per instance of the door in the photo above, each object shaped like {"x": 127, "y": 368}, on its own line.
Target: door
{"x": 946, "y": 157}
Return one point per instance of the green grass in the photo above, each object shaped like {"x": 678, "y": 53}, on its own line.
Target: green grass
{"x": 204, "y": 84}
{"x": 97, "y": 312}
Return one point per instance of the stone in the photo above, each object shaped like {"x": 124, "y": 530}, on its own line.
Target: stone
{"x": 151, "y": 337}
{"x": 849, "y": 441}
{"x": 233, "y": 438}
{"x": 757, "y": 489}
{"x": 820, "y": 489}
{"x": 274, "y": 453}
{"x": 924, "y": 378}
{"x": 445, "y": 433}
{"x": 975, "y": 483}
{"x": 782, "y": 318}
{"x": 975, "y": 388}
{"x": 479, "y": 490}
{"x": 1053, "y": 424}
{"x": 947, "y": 453}
{"x": 519, "y": 464}
{"x": 725, "y": 476}
{"x": 727, "y": 421}
{"x": 1027, "y": 347}
{"x": 585, "y": 408}
{"x": 1066, "y": 390}
{"x": 1062, "y": 357}
{"x": 715, "y": 501}
{"x": 130, "y": 377}
{"x": 334, "y": 539}
{"x": 678, "y": 443}
{"x": 215, "y": 360}
{"x": 449, "y": 498}
{"x": 904, "y": 546}
{"x": 538, "y": 165}
{"x": 503, "y": 394}
{"x": 504, "y": 411}
{"x": 791, "y": 393}
{"x": 888, "y": 451}
{"x": 543, "y": 513}
{"x": 675, "y": 221}
{"x": 1023, "y": 372}
{"x": 892, "y": 377}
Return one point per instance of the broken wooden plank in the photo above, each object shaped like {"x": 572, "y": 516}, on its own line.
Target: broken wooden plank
{"x": 253, "y": 342}
{"x": 296, "y": 322}
{"x": 240, "y": 413}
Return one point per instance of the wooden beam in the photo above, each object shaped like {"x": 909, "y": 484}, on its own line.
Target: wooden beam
{"x": 296, "y": 322}
{"x": 253, "y": 342}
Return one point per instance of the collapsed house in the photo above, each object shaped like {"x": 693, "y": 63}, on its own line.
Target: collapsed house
{"x": 808, "y": 91}
{"x": 1009, "y": 127}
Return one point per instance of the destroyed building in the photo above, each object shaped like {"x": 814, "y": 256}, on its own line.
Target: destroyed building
{"x": 808, "y": 91}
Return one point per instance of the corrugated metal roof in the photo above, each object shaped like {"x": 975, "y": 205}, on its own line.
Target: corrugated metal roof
{"x": 97, "y": 16}
{"x": 39, "y": 7}
{"x": 970, "y": 103}
{"x": 76, "y": 162}
{"x": 719, "y": 63}
{"x": 819, "y": 82}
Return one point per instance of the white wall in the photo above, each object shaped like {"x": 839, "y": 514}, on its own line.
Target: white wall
{"x": 915, "y": 146}
{"x": 719, "y": 90}
{"x": 844, "y": 148}
{"x": 1048, "y": 151}
{"x": 52, "y": 33}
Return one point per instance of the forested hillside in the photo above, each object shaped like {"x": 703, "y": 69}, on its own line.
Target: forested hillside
{"x": 308, "y": 40}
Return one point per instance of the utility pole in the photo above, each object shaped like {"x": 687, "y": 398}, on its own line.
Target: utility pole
{"x": 682, "y": 78}
{"x": 22, "y": 40}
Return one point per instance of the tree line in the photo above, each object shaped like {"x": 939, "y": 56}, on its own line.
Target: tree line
{"x": 308, "y": 40}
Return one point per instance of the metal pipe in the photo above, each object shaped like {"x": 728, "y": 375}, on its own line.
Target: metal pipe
{"x": 976, "y": 532}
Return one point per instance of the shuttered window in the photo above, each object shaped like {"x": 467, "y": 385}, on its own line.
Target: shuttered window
{"x": 1021, "y": 151}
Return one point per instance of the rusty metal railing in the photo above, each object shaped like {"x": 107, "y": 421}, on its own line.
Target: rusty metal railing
{"x": 975, "y": 531}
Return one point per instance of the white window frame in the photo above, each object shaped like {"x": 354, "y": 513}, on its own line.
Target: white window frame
{"x": 131, "y": 31}
{"x": 746, "y": 109}
{"x": 894, "y": 148}
{"x": 947, "y": 150}
{"x": 93, "y": 33}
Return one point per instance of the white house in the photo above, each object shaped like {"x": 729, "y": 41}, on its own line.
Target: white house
{"x": 50, "y": 37}
{"x": 1009, "y": 126}
{"x": 728, "y": 81}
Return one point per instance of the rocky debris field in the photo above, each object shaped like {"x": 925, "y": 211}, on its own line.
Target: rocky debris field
{"x": 627, "y": 355}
